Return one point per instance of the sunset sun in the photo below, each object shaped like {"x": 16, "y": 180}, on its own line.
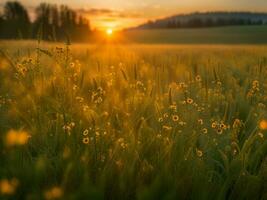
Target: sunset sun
{"x": 109, "y": 31}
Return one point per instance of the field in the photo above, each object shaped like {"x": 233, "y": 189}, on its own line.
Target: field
{"x": 133, "y": 121}
{"x": 216, "y": 35}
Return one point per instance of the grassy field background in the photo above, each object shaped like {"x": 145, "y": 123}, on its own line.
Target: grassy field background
{"x": 218, "y": 35}
{"x": 133, "y": 121}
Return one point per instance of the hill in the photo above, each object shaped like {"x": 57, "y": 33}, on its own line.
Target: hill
{"x": 207, "y": 19}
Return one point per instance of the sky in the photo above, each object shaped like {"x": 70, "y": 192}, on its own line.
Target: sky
{"x": 119, "y": 14}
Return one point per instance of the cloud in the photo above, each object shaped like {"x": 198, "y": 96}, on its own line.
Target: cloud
{"x": 107, "y": 13}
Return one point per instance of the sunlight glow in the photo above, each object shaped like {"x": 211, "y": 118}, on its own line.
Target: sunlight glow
{"x": 109, "y": 31}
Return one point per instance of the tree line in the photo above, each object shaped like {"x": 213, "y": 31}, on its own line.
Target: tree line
{"x": 200, "y": 22}
{"x": 209, "y": 22}
{"x": 51, "y": 22}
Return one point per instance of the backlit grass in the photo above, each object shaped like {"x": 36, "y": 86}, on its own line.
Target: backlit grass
{"x": 132, "y": 122}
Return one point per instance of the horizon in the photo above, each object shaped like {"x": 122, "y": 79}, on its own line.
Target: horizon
{"x": 119, "y": 15}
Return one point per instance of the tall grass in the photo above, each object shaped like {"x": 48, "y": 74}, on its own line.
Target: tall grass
{"x": 133, "y": 122}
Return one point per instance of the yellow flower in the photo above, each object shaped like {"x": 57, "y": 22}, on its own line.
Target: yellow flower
{"x": 167, "y": 128}
{"x": 8, "y": 187}
{"x": 165, "y": 115}
{"x": 255, "y": 84}
{"x": 175, "y": 118}
{"x": 85, "y": 132}
{"x": 237, "y": 124}
{"x": 219, "y": 131}
{"x": 263, "y": 124}
{"x": 261, "y": 135}
{"x": 72, "y": 65}
{"x": 173, "y": 107}
{"x": 19, "y": 138}
{"x": 204, "y": 130}
{"x": 86, "y": 140}
{"x": 54, "y": 193}
{"x": 160, "y": 119}
{"x": 223, "y": 126}
{"x": 189, "y": 101}
{"x": 200, "y": 121}
{"x": 199, "y": 153}
{"x": 198, "y": 78}
{"x": 105, "y": 114}
{"x": 213, "y": 125}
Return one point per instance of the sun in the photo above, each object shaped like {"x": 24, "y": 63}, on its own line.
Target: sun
{"x": 109, "y": 31}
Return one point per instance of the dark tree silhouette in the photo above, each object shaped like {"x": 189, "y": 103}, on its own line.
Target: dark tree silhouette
{"x": 15, "y": 22}
{"x": 51, "y": 23}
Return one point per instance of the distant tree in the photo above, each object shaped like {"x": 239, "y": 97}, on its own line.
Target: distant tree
{"x": 16, "y": 21}
{"x": 171, "y": 24}
{"x": 178, "y": 24}
{"x": 43, "y": 23}
{"x": 150, "y": 24}
{"x": 195, "y": 23}
{"x": 209, "y": 22}
{"x": 1, "y": 27}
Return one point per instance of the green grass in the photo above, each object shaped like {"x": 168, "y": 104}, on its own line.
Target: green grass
{"x": 221, "y": 35}
{"x": 133, "y": 121}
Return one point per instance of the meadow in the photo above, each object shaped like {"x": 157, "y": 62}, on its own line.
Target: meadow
{"x": 133, "y": 121}
{"x": 216, "y": 35}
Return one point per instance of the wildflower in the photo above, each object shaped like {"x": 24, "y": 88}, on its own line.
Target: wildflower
{"x": 198, "y": 78}
{"x": 98, "y": 100}
{"x": 85, "y": 108}
{"x": 199, "y": 153}
{"x": 139, "y": 84}
{"x": 72, "y": 124}
{"x": 234, "y": 152}
{"x": 80, "y": 99}
{"x": 214, "y": 125}
{"x": 97, "y": 134}
{"x": 167, "y": 128}
{"x": 189, "y": 101}
{"x": 105, "y": 114}
{"x": 8, "y": 187}
{"x": 120, "y": 140}
{"x": 75, "y": 87}
{"x": 160, "y": 119}
{"x": 72, "y": 64}
{"x": 14, "y": 138}
{"x": 182, "y": 123}
{"x": 159, "y": 136}
{"x": 219, "y": 131}
{"x": 237, "y": 124}
{"x": 175, "y": 118}
{"x": 204, "y": 130}
{"x": 261, "y": 135}
{"x": 200, "y": 121}
{"x": 165, "y": 115}
{"x": 182, "y": 85}
{"x": 223, "y": 126}
{"x": 263, "y": 124}
{"x": 54, "y": 193}
{"x": 219, "y": 83}
{"x": 255, "y": 84}
{"x": 86, "y": 140}
{"x": 173, "y": 107}
{"x": 67, "y": 128}
{"x": 85, "y": 132}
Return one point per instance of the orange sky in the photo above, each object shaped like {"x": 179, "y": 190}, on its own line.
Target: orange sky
{"x": 119, "y": 14}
